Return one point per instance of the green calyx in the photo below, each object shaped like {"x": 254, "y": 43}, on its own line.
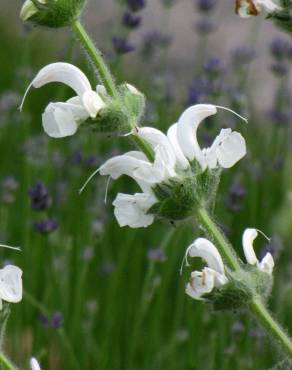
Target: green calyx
{"x": 179, "y": 197}
{"x": 120, "y": 115}
{"x": 52, "y": 13}
{"x": 243, "y": 286}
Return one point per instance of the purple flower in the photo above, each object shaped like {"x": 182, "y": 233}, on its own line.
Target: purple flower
{"x": 156, "y": 255}
{"x": 136, "y": 5}
{"x": 280, "y": 117}
{"x": 280, "y": 69}
{"x": 237, "y": 193}
{"x": 154, "y": 41}
{"x": 44, "y": 320}
{"x": 205, "y": 6}
{"x": 213, "y": 67}
{"x": 131, "y": 21}
{"x": 122, "y": 45}
{"x": 242, "y": 56}
{"x": 57, "y": 320}
{"x": 280, "y": 49}
{"x": 39, "y": 196}
{"x": 46, "y": 226}
{"x": 205, "y": 26}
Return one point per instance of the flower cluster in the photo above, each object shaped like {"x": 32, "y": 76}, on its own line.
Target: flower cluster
{"x": 177, "y": 157}
{"x": 214, "y": 275}
{"x": 248, "y": 8}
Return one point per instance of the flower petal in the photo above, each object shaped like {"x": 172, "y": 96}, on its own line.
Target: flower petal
{"x": 172, "y": 137}
{"x": 131, "y": 210}
{"x": 248, "y": 238}
{"x": 127, "y": 164}
{"x": 267, "y": 264}
{"x": 187, "y": 129}
{"x": 61, "y": 119}
{"x": 92, "y": 102}
{"x": 230, "y": 149}
{"x": 203, "y": 248}
{"x": 11, "y": 284}
{"x": 34, "y": 364}
{"x": 65, "y": 73}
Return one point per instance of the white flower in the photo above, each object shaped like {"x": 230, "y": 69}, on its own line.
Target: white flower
{"x": 267, "y": 263}
{"x": 62, "y": 119}
{"x": 210, "y": 277}
{"x": 34, "y": 364}
{"x": 131, "y": 210}
{"x": 172, "y": 155}
{"x": 10, "y": 284}
{"x": 227, "y": 149}
{"x": 248, "y": 8}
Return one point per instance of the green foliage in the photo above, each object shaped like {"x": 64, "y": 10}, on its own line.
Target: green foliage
{"x": 283, "y": 18}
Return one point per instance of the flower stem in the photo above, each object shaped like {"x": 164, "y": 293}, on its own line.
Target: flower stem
{"x": 256, "y": 306}
{"x": 5, "y": 363}
{"x": 96, "y": 57}
{"x": 272, "y": 327}
{"x": 222, "y": 244}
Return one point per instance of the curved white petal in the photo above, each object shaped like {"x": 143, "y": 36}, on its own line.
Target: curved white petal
{"x": 187, "y": 129}
{"x": 203, "y": 248}
{"x": 267, "y": 264}
{"x": 248, "y": 238}
{"x": 62, "y": 119}
{"x": 11, "y": 284}
{"x": 182, "y": 162}
{"x": 230, "y": 148}
{"x": 65, "y": 73}
{"x": 92, "y": 102}
{"x": 133, "y": 164}
{"x": 34, "y": 364}
{"x": 131, "y": 210}
{"x": 156, "y": 139}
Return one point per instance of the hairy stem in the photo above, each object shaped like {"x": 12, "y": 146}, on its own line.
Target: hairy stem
{"x": 106, "y": 78}
{"x": 272, "y": 327}
{"x": 256, "y": 306}
{"x": 96, "y": 57}
{"x": 5, "y": 363}
{"x": 222, "y": 244}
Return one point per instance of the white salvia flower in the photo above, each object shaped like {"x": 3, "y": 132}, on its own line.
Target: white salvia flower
{"x": 267, "y": 263}
{"x": 62, "y": 119}
{"x": 249, "y": 8}
{"x": 227, "y": 149}
{"x": 212, "y": 276}
{"x": 131, "y": 210}
{"x": 10, "y": 284}
{"x": 34, "y": 364}
{"x": 172, "y": 153}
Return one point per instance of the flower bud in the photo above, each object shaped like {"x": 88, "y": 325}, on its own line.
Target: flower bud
{"x": 134, "y": 101}
{"x": 51, "y": 13}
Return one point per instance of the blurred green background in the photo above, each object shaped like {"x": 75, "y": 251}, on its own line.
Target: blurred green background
{"x": 102, "y": 297}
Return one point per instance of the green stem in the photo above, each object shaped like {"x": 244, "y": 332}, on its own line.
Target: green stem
{"x": 222, "y": 244}
{"x": 5, "y": 363}
{"x": 273, "y": 328}
{"x": 144, "y": 146}
{"x": 96, "y": 57}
